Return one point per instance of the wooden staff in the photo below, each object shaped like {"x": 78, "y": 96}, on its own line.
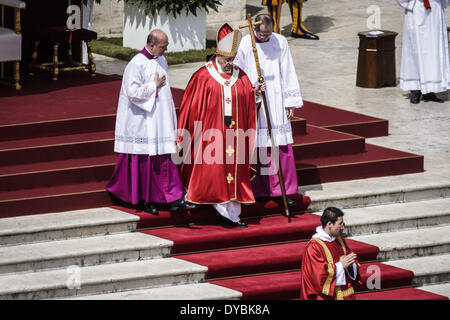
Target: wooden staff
{"x": 266, "y": 109}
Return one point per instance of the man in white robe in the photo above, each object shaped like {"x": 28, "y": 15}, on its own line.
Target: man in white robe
{"x": 425, "y": 68}
{"x": 283, "y": 97}
{"x": 145, "y": 135}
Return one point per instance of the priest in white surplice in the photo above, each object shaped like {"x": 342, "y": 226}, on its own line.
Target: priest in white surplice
{"x": 425, "y": 68}
{"x": 145, "y": 134}
{"x": 283, "y": 97}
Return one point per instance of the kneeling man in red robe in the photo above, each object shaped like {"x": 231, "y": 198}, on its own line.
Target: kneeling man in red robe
{"x": 329, "y": 268}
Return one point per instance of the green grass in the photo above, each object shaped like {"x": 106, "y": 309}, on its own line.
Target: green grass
{"x": 112, "y": 47}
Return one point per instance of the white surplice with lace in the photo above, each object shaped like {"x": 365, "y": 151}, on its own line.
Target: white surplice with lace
{"x": 425, "y": 57}
{"x": 282, "y": 87}
{"x": 146, "y": 119}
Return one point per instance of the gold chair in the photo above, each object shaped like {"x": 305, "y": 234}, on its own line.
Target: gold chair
{"x": 11, "y": 39}
{"x": 62, "y": 35}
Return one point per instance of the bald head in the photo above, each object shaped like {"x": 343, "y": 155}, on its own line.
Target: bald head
{"x": 156, "y": 36}
{"x": 157, "y": 42}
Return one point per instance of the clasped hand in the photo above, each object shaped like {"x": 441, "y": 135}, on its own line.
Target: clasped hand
{"x": 348, "y": 260}
{"x": 160, "y": 81}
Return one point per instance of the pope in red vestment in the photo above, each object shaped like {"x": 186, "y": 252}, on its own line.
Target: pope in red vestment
{"x": 323, "y": 275}
{"x": 217, "y": 130}
{"x": 202, "y": 101}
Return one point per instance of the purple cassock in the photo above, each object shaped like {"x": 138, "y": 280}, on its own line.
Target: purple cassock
{"x": 138, "y": 177}
{"x": 269, "y": 185}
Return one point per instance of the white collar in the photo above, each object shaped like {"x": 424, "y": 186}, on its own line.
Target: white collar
{"x": 219, "y": 68}
{"x": 322, "y": 235}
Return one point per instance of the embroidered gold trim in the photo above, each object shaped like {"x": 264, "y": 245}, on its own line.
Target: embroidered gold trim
{"x": 226, "y": 54}
{"x": 342, "y": 244}
{"x": 327, "y": 284}
{"x": 237, "y": 138}
{"x": 341, "y": 294}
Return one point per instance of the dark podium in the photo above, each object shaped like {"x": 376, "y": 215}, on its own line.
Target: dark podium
{"x": 376, "y": 59}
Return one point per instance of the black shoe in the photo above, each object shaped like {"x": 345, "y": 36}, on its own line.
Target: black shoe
{"x": 306, "y": 35}
{"x": 415, "y": 96}
{"x": 228, "y": 223}
{"x": 150, "y": 208}
{"x": 279, "y": 200}
{"x": 181, "y": 204}
{"x": 431, "y": 97}
{"x": 240, "y": 224}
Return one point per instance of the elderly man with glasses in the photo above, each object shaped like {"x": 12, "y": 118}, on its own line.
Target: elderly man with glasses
{"x": 283, "y": 97}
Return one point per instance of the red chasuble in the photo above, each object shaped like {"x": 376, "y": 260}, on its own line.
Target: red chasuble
{"x": 215, "y": 174}
{"x": 319, "y": 271}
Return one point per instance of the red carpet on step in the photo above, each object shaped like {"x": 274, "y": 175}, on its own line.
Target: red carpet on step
{"x": 56, "y": 151}
{"x": 207, "y": 214}
{"x": 401, "y": 294}
{"x": 194, "y": 238}
{"x": 263, "y": 259}
{"x": 286, "y": 285}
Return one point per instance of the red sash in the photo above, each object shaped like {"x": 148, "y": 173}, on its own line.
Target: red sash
{"x": 427, "y": 5}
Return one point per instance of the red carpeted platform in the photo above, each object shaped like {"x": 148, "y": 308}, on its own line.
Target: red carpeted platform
{"x": 56, "y": 154}
{"x": 400, "y": 294}
{"x": 286, "y": 285}
{"x": 261, "y": 230}
{"x": 264, "y": 258}
{"x": 375, "y": 161}
{"x": 56, "y": 146}
{"x": 344, "y": 121}
{"x": 207, "y": 214}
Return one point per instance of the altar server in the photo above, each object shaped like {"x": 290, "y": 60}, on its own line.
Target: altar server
{"x": 283, "y": 97}
{"x": 145, "y": 135}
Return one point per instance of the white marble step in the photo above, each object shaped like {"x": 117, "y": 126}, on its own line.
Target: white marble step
{"x": 410, "y": 243}
{"x": 108, "y": 278}
{"x": 395, "y": 217}
{"x": 432, "y": 184}
{"x": 196, "y": 291}
{"x": 89, "y": 251}
{"x": 65, "y": 225}
{"x": 442, "y": 289}
{"x": 427, "y": 270}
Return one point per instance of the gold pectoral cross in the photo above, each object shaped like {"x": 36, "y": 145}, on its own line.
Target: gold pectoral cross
{"x": 229, "y": 178}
